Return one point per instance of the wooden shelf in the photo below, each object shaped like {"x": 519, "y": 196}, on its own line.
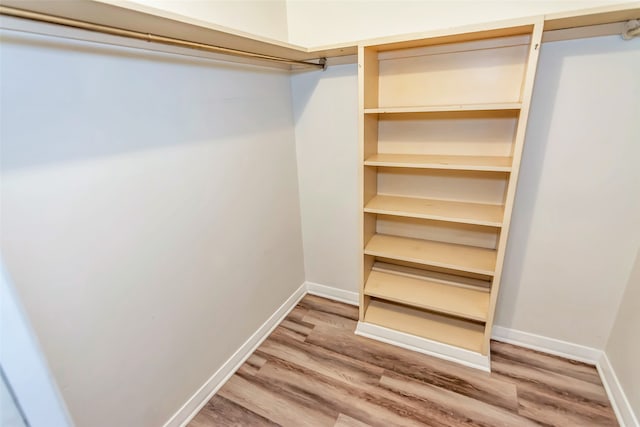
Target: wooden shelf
{"x": 437, "y": 254}
{"x": 441, "y": 108}
{"x": 441, "y": 210}
{"x": 427, "y": 325}
{"x": 430, "y": 295}
{"x": 427, "y": 161}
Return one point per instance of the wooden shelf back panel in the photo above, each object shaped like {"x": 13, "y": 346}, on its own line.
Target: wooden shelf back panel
{"x": 439, "y": 231}
{"x": 459, "y": 185}
{"x": 401, "y": 268}
{"x": 438, "y": 254}
{"x": 430, "y": 295}
{"x": 470, "y": 77}
{"x": 442, "y": 210}
{"x": 424, "y": 324}
{"x": 426, "y": 161}
{"x": 471, "y": 133}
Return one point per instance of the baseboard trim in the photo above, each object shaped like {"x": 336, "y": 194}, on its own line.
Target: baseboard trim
{"x": 191, "y": 408}
{"x": 621, "y": 405}
{"x": 347, "y": 297}
{"x": 553, "y": 346}
{"x": 425, "y": 346}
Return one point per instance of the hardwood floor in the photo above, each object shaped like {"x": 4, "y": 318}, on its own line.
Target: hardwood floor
{"x": 313, "y": 371}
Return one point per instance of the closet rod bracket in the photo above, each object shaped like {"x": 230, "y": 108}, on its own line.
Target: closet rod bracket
{"x": 631, "y": 29}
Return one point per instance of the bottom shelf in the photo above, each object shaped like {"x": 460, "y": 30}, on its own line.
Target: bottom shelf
{"x": 455, "y": 332}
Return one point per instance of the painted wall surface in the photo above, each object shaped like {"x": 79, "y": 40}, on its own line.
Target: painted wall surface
{"x": 266, "y": 18}
{"x": 575, "y": 228}
{"x": 623, "y": 348}
{"x": 322, "y": 22}
{"x": 150, "y": 216}
{"x": 326, "y": 126}
{"x": 575, "y": 222}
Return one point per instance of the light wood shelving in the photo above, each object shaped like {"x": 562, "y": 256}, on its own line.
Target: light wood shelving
{"x": 436, "y": 254}
{"x": 425, "y": 161}
{"x": 429, "y": 294}
{"x": 425, "y": 324}
{"x": 445, "y": 108}
{"x": 442, "y": 124}
{"x": 443, "y": 210}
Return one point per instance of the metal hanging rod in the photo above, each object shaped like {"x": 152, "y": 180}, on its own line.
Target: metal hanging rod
{"x": 152, "y": 38}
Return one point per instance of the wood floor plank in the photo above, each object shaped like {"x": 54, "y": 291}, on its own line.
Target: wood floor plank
{"x": 314, "y": 371}
{"x": 465, "y": 381}
{"x": 262, "y": 397}
{"x": 320, "y": 360}
{"x": 548, "y": 362}
{"x": 252, "y": 365}
{"x": 563, "y": 385}
{"x": 222, "y": 412}
{"x": 312, "y": 302}
{"x": 297, "y": 313}
{"x": 280, "y": 330}
{"x": 551, "y": 409}
{"x": 299, "y": 326}
{"x": 348, "y": 399}
{"x": 451, "y": 408}
{"x": 323, "y": 318}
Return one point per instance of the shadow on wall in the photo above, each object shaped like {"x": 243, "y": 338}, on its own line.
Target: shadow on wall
{"x": 65, "y": 100}
{"x": 545, "y": 96}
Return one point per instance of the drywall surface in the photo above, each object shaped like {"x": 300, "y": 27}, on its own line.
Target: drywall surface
{"x": 623, "y": 348}
{"x": 575, "y": 228}
{"x": 266, "y": 18}
{"x": 326, "y": 126}
{"x": 575, "y": 223}
{"x": 150, "y": 216}
{"x": 316, "y": 23}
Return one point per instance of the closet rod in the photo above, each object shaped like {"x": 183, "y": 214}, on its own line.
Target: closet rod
{"x": 50, "y": 19}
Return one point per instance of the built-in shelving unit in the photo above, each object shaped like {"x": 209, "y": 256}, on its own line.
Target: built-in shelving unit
{"x": 442, "y": 130}
{"x": 442, "y": 210}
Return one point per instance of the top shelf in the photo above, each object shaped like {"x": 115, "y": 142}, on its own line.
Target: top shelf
{"x": 444, "y": 108}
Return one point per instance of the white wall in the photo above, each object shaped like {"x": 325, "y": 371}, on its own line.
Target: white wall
{"x": 575, "y": 224}
{"x": 575, "y": 228}
{"x": 321, "y": 22}
{"x": 326, "y": 118}
{"x": 266, "y": 18}
{"x": 623, "y": 347}
{"x": 150, "y": 216}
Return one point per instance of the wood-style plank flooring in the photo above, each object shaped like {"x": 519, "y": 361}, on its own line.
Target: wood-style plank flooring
{"x": 313, "y": 371}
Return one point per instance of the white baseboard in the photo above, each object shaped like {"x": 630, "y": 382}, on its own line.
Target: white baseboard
{"x": 553, "y": 346}
{"x": 425, "y": 346}
{"x": 621, "y": 405}
{"x": 190, "y": 409}
{"x": 348, "y": 297}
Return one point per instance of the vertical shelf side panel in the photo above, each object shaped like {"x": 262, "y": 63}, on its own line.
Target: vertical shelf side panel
{"x": 368, "y": 145}
{"x": 526, "y": 93}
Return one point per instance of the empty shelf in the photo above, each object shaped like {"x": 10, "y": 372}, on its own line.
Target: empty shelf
{"x": 438, "y": 254}
{"x": 427, "y": 161}
{"x": 439, "y": 108}
{"x": 428, "y": 294}
{"x": 450, "y": 331}
{"x": 442, "y": 210}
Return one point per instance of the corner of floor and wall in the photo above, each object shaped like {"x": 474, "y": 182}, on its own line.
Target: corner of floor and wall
{"x": 170, "y": 244}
